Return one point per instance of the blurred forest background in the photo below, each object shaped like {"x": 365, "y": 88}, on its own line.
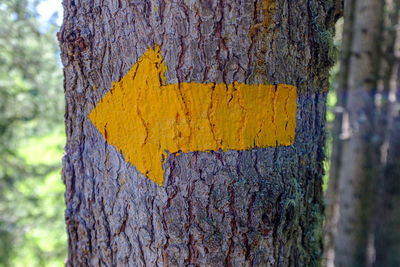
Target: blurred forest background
{"x": 363, "y": 161}
{"x": 32, "y": 231}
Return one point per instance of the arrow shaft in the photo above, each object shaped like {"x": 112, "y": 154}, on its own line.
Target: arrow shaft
{"x": 202, "y": 117}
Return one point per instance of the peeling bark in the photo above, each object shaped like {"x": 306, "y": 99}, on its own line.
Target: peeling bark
{"x": 258, "y": 207}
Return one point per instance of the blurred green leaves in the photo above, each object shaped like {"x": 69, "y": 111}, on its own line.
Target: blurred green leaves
{"x": 32, "y": 231}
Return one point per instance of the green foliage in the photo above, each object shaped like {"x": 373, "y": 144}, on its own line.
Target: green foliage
{"x": 32, "y": 231}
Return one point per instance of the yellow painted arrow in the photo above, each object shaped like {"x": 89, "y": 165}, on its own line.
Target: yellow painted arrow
{"x": 143, "y": 117}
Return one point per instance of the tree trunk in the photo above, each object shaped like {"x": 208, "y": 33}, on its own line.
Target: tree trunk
{"x": 388, "y": 217}
{"x": 359, "y": 171}
{"x": 387, "y": 233}
{"x": 254, "y": 207}
{"x": 368, "y": 226}
{"x": 332, "y": 193}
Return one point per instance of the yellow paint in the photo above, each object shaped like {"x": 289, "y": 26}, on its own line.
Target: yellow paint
{"x": 268, "y": 7}
{"x": 144, "y": 118}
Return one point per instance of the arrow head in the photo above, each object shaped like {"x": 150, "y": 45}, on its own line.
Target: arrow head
{"x": 119, "y": 115}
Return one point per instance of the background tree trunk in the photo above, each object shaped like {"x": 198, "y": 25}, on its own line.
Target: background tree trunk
{"x": 261, "y": 207}
{"x": 388, "y": 222}
{"x": 368, "y": 170}
{"x": 360, "y": 166}
{"x": 388, "y": 216}
{"x": 387, "y": 232}
{"x": 357, "y": 180}
{"x": 332, "y": 192}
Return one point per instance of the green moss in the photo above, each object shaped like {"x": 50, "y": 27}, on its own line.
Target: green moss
{"x": 300, "y": 227}
{"x": 314, "y": 234}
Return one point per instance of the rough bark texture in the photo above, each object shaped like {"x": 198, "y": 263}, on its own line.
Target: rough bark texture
{"x": 261, "y": 207}
{"x": 358, "y": 168}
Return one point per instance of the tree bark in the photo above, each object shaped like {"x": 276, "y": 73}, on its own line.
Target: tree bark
{"x": 258, "y": 207}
